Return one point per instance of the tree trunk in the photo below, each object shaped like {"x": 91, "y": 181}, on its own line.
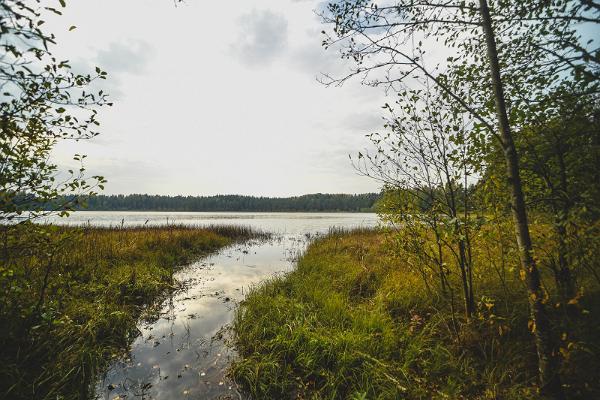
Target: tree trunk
{"x": 564, "y": 278}
{"x": 567, "y": 284}
{"x": 464, "y": 274}
{"x": 440, "y": 259}
{"x": 550, "y": 384}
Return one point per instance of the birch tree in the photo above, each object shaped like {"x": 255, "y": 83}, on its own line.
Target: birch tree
{"x": 496, "y": 61}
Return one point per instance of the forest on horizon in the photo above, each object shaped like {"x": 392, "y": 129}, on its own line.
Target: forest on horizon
{"x": 306, "y": 203}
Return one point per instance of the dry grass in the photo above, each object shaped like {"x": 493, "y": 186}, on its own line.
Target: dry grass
{"x": 361, "y": 318}
{"x": 71, "y": 298}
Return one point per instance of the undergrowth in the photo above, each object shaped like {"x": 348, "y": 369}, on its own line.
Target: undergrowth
{"x": 70, "y": 298}
{"x": 356, "y": 320}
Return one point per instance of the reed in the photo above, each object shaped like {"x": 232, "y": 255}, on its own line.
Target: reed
{"x": 357, "y": 319}
{"x": 72, "y": 296}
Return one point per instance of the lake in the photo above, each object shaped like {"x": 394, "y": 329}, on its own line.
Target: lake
{"x": 280, "y": 223}
{"x": 183, "y": 354}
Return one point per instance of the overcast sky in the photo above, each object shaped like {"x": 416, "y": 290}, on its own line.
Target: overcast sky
{"x": 217, "y": 98}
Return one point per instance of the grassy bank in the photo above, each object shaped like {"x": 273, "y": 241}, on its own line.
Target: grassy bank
{"x": 356, "y": 320}
{"x": 70, "y": 298}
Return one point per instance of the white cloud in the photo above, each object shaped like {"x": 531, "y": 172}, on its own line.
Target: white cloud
{"x": 262, "y": 37}
{"x": 129, "y": 57}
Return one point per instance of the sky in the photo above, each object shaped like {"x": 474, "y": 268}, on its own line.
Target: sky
{"x": 217, "y": 98}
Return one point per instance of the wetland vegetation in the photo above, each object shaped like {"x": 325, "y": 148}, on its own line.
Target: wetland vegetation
{"x": 363, "y": 317}
{"x": 482, "y": 283}
{"x": 71, "y": 298}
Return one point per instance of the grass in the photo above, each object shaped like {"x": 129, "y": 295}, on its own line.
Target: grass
{"x": 356, "y": 320}
{"x": 71, "y": 297}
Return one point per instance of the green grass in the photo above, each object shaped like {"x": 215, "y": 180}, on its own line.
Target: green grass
{"x": 356, "y": 321}
{"x": 57, "y": 337}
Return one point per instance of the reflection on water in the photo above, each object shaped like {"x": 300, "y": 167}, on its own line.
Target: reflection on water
{"x": 183, "y": 354}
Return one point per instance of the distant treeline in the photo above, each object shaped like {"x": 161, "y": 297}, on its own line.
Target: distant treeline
{"x": 310, "y": 202}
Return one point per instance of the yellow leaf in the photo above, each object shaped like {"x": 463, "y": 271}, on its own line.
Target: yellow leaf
{"x": 533, "y": 296}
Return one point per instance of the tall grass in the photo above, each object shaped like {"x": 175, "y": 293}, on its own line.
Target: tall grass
{"x": 358, "y": 320}
{"x": 71, "y": 298}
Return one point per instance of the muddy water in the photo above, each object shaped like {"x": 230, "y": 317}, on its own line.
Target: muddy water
{"x": 183, "y": 353}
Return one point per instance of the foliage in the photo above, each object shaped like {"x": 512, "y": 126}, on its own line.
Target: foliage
{"x": 540, "y": 47}
{"x": 307, "y": 203}
{"x": 427, "y": 159}
{"x": 560, "y": 159}
{"x": 42, "y": 101}
{"x": 71, "y": 297}
{"x": 532, "y": 53}
{"x": 357, "y": 318}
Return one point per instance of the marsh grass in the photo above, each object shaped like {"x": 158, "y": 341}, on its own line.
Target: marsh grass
{"x": 71, "y": 297}
{"x": 357, "y": 320}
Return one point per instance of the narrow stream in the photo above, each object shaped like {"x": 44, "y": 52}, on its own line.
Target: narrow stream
{"x": 184, "y": 352}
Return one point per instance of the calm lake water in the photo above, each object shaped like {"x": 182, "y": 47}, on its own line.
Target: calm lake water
{"x": 183, "y": 353}
{"x": 281, "y": 223}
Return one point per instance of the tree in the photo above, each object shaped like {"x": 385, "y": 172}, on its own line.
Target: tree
{"x": 42, "y": 102}
{"x": 425, "y": 160}
{"x": 500, "y": 88}
{"x": 560, "y": 162}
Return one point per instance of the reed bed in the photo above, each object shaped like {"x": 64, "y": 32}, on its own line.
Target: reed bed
{"x": 357, "y": 320}
{"x": 71, "y": 297}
